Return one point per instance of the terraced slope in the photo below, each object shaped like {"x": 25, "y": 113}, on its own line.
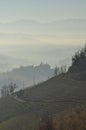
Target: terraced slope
{"x": 56, "y": 94}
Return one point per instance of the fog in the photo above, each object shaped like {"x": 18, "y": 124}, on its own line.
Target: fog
{"x": 12, "y": 56}
{"x": 27, "y": 42}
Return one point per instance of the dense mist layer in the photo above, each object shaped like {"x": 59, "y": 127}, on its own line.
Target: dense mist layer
{"x": 26, "y": 42}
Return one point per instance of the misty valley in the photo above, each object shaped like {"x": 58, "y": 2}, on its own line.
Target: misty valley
{"x": 42, "y": 64}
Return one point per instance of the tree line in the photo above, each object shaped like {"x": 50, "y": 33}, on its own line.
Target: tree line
{"x": 79, "y": 61}
{"x": 9, "y": 89}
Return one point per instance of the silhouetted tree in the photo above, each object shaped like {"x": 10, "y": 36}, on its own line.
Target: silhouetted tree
{"x": 79, "y": 61}
{"x": 63, "y": 69}
{"x": 8, "y": 89}
{"x": 56, "y": 71}
{"x": 60, "y": 70}
{"x": 12, "y": 87}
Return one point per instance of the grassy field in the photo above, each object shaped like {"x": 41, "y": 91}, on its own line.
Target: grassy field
{"x": 24, "y": 122}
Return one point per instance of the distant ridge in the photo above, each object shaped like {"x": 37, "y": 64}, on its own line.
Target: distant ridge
{"x": 25, "y": 76}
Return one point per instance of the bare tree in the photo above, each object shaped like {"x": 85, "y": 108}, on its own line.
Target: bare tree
{"x": 8, "y": 89}
{"x": 63, "y": 69}
{"x": 56, "y": 71}
{"x": 12, "y": 87}
{"x": 4, "y": 91}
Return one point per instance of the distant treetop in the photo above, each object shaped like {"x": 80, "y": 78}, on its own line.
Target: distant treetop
{"x": 79, "y": 61}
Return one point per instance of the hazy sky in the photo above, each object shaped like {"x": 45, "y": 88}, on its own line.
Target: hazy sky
{"x": 41, "y": 10}
{"x": 32, "y": 31}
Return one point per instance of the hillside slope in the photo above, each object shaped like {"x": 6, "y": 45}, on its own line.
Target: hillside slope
{"x": 57, "y": 93}
{"x": 53, "y": 96}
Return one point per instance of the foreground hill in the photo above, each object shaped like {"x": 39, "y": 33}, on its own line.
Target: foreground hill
{"x": 53, "y": 96}
{"x": 57, "y": 93}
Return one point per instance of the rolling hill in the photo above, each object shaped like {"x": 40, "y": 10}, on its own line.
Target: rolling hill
{"x": 25, "y": 109}
{"x": 53, "y": 96}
